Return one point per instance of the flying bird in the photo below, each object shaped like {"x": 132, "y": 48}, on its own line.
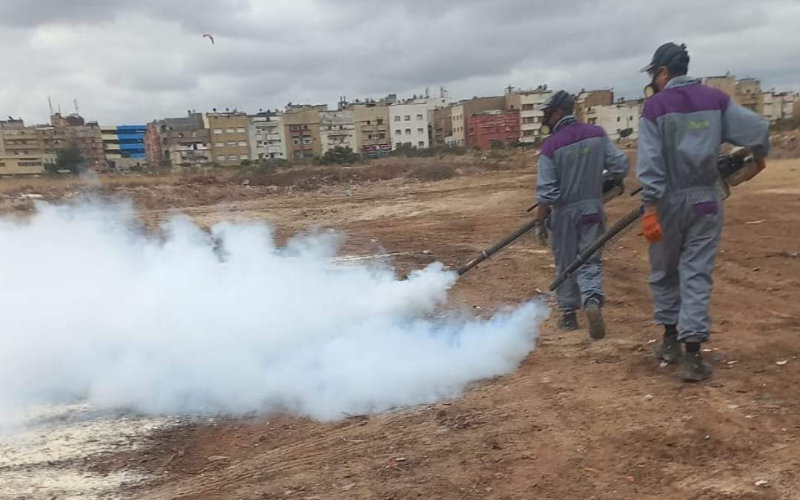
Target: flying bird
{"x": 210, "y": 37}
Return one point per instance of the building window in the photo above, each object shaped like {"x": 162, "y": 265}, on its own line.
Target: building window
{"x": 306, "y": 140}
{"x": 296, "y": 141}
{"x": 219, "y": 144}
{"x": 618, "y": 118}
{"x": 217, "y": 130}
{"x": 379, "y": 121}
{"x": 229, "y": 131}
{"x": 527, "y": 107}
{"x": 243, "y": 157}
{"x": 399, "y": 145}
{"x": 242, "y": 143}
{"x": 398, "y": 132}
{"x": 230, "y": 143}
{"x": 382, "y": 136}
{"x": 221, "y": 158}
{"x": 407, "y": 118}
{"x": 421, "y": 144}
{"x": 420, "y": 130}
{"x": 408, "y": 131}
{"x": 397, "y": 118}
{"x": 419, "y": 117}
{"x": 232, "y": 157}
{"x": 241, "y": 131}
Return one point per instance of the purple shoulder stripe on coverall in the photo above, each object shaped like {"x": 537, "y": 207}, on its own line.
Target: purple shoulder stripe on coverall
{"x": 685, "y": 99}
{"x": 570, "y": 135}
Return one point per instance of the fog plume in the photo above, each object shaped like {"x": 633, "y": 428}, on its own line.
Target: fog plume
{"x": 95, "y": 309}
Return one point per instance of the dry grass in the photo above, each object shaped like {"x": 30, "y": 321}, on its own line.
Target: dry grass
{"x": 424, "y": 169}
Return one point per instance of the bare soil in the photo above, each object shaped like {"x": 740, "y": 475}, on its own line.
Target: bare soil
{"x": 579, "y": 419}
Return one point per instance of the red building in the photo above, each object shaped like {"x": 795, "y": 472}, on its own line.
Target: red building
{"x": 496, "y": 127}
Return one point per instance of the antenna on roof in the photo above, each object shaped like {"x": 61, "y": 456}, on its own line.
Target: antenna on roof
{"x": 75, "y": 102}
{"x": 50, "y": 103}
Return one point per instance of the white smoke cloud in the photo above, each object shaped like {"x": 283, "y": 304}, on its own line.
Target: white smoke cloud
{"x": 93, "y": 309}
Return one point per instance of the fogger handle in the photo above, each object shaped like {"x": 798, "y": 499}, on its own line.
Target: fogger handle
{"x": 587, "y": 253}
{"x": 498, "y": 246}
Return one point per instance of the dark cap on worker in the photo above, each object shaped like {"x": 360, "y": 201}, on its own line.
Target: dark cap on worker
{"x": 668, "y": 55}
{"x": 560, "y": 100}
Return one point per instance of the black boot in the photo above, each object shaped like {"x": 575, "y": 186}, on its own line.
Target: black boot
{"x": 669, "y": 349}
{"x": 594, "y": 314}
{"x": 693, "y": 367}
{"x": 568, "y": 321}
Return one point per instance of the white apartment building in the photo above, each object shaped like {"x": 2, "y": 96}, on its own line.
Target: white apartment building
{"x": 617, "y": 117}
{"x": 267, "y": 139}
{"x": 337, "y": 129}
{"x": 788, "y": 101}
{"x": 771, "y": 106}
{"x": 411, "y": 121}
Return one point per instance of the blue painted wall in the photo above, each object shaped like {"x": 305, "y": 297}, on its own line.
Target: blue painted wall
{"x": 131, "y": 140}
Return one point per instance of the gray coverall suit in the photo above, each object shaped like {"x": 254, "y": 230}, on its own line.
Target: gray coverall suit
{"x": 680, "y": 133}
{"x": 570, "y": 180}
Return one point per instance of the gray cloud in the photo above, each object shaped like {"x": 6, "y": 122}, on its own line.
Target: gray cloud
{"x": 135, "y": 61}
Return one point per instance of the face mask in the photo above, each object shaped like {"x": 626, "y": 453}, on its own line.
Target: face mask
{"x": 651, "y": 89}
{"x": 546, "y": 128}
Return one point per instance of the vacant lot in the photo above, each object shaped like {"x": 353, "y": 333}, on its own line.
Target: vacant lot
{"x": 577, "y": 420}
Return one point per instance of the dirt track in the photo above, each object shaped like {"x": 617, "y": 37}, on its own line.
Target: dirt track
{"x": 578, "y": 419}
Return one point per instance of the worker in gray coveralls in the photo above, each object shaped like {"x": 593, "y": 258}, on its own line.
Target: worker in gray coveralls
{"x": 570, "y": 181}
{"x": 681, "y": 129}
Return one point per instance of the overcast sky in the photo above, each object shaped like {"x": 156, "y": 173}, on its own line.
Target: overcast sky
{"x": 130, "y": 61}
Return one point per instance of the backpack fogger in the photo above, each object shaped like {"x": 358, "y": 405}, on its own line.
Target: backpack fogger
{"x": 734, "y": 168}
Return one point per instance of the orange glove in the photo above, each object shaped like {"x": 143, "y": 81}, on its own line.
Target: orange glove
{"x": 650, "y": 226}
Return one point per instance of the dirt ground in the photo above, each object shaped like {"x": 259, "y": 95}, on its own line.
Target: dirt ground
{"x": 578, "y": 419}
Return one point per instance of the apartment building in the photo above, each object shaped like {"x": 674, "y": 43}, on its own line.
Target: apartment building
{"x": 267, "y": 140}
{"x": 409, "y": 125}
{"x": 301, "y": 129}
{"x": 590, "y": 98}
{"x": 771, "y": 106}
{"x": 747, "y": 94}
{"x": 18, "y": 140}
{"x": 124, "y": 145}
{"x": 183, "y": 141}
{"x": 73, "y": 130}
{"x": 337, "y": 129}
{"x": 725, "y": 83}
{"x": 530, "y": 118}
{"x": 442, "y": 126}
{"x": 17, "y": 164}
{"x": 618, "y": 119}
{"x": 411, "y": 121}
{"x": 789, "y": 103}
{"x": 495, "y": 128}
{"x": 371, "y": 119}
{"x": 230, "y": 138}
{"x": 460, "y": 113}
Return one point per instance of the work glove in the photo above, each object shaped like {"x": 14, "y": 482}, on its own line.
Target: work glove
{"x": 650, "y": 226}
{"x": 540, "y": 232}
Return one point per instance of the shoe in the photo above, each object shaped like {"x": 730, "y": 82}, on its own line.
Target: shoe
{"x": 694, "y": 368}
{"x": 668, "y": 350}
{"x": 594, "y": 314}
{"x": 568, "y": 321}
